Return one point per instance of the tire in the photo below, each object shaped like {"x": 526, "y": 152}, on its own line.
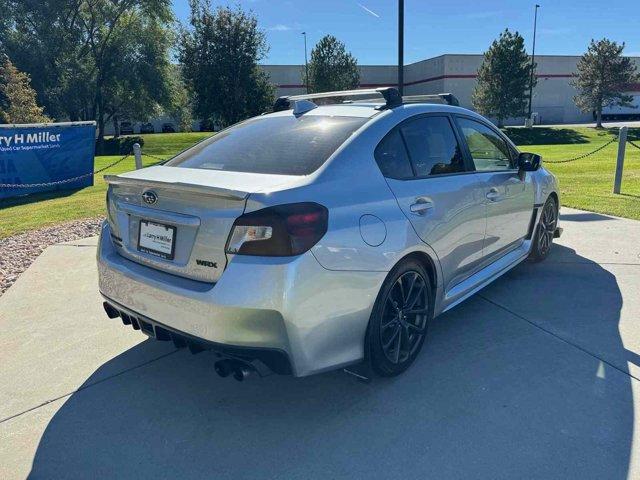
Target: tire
{"x": 545, "y": 230}
{"x": 399, "y": 320}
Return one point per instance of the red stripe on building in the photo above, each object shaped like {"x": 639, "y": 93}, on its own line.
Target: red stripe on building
{"x": 444, "y": 77}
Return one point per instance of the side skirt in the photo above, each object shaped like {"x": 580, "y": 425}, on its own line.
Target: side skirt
{"x": 484, "y": 277}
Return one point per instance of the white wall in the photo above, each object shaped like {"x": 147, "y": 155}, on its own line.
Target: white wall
{"x": 452, "y": 73}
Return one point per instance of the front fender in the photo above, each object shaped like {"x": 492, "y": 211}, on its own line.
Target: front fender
{"x": 545, "y": 183}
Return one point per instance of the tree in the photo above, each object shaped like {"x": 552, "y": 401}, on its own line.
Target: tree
{"x": 219, "y": 55}
{"x": 135, "y": 81}
{"x": 181, "y": 106}
{"x": 17, "y": 98}
{"x": 93, "y": 59}
{"x": 603, "y": 74}
{"x": 503, "y": 79}
{"x": 332, "y": 67}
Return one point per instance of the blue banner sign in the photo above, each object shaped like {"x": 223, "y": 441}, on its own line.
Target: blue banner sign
{"x": 50, "y": 155}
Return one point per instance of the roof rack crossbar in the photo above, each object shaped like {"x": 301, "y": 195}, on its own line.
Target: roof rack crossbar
{"x": 445, "y": 98}
{"x": 391, "y": 97}
{"x": 390, "y": 94}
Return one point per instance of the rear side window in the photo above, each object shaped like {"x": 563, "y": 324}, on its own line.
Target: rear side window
{"x": 391, "y": 156}
{"x": 432, "y": 146}
{"x": 282, "y": 145}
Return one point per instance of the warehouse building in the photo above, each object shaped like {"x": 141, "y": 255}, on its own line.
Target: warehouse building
{"x": 452, "y": 73}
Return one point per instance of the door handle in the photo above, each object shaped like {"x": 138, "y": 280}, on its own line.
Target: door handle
{"x": 421, "y": 206}
{"x": 494, "y": 195}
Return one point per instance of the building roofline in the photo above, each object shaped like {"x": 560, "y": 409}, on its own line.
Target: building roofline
{"x": 636, "y": 57}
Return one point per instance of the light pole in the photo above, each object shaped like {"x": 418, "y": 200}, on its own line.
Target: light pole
{"x": 533, "y": 60}
{"x": 401, "y": 46}
{"x": 306, "y": 63}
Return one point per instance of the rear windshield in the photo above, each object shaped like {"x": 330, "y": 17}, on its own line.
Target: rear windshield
{"x": 276, "y": 145}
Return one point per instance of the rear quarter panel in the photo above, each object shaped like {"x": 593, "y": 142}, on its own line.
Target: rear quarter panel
{"x": 351, "y": 186}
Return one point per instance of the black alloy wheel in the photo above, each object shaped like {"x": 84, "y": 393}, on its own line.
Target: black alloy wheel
{"x": 545, "y": 231}
{"x": 400, "y": 318}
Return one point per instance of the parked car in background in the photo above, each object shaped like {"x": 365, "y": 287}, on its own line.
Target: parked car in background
{"x": 126, "y": 128}
{"x": 168, "y": 128}
{"x": 314, "y": 237}
{"x": 147, "y": 128}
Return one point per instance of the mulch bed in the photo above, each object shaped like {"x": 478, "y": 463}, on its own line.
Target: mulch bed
{"x": 18, "y": 252}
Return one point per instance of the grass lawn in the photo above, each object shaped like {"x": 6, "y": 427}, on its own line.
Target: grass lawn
{"x": 19, "y": 215}
{"x": 586, "y": 184}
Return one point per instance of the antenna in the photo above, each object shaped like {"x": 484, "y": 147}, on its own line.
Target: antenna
{"x": 303, "y": 106}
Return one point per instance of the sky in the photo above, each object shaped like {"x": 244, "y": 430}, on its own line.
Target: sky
{"x": 435, "y": 27}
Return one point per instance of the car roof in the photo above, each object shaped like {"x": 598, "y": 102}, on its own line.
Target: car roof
{"x": 371, "y": 109}
{"x": 363, "y": 110}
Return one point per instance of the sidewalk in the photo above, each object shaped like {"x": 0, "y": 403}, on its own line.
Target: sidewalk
{"x": 535, "y": 376}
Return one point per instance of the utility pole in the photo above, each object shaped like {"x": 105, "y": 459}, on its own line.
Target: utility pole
{"x": 533, "y": 61}
{"x": 401, "y": 46}
{"x": 306, "y": 63}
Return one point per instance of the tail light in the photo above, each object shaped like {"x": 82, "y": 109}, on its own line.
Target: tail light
{"x": 111, "y": 215}
{"x": 279, "y": 231}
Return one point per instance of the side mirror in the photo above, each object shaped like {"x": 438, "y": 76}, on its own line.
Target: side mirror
{"x": 529, "y": 162}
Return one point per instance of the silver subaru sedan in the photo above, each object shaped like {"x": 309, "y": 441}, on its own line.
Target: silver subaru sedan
{"x": 325, "y": 234}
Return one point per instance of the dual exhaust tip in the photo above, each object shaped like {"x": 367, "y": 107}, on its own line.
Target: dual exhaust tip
{"x": 238, "y": 369}
{"x": 229, "y": 366}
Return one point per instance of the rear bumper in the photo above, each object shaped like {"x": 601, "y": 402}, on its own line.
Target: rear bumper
{"x": 316, "y": 317}
{"x": 263, "y": 359}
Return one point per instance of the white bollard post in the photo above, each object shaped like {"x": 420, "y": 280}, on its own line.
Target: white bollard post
{"x": 622, "y": 144}
{"x": 137, "y": 153}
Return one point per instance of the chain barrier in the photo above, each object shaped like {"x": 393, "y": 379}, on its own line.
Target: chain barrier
{"x": 66, "y": 180}
{"x": 633, "y": 144}
{"x": 159, "y": 160}
{"x": 79, "y": 177}
{"x": 584, "y": 155}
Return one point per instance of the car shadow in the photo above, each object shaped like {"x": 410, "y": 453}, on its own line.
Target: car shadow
{"x": 496, "y": 393}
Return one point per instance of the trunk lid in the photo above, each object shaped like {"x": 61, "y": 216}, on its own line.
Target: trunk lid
{"x": 190, "y": 210}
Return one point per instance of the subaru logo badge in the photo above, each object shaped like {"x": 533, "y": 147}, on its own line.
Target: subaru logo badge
{"x": 149, "y": 197}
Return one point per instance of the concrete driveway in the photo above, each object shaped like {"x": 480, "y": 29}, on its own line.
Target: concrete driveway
{"x": 534, "y": 377}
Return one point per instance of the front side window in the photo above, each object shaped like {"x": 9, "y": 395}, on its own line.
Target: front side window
{"x": 488, "y": 150}
{"x": 280, "y": 145}
{"x": 433, "y": 147}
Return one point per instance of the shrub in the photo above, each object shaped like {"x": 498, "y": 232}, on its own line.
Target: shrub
{"x": 118, "y": 146}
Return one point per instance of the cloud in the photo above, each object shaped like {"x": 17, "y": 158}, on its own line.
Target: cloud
{"x": 484, "y": 15}
{"x": 371, "y": 12}
{"x": 551, "y": 32}
{"x": 280, "y": 28}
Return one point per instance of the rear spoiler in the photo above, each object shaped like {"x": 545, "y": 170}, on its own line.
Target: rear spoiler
{"x": 178, "y": 186}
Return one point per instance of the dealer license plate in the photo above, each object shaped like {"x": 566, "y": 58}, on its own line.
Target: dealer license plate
{"x": 157, "y": 239}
